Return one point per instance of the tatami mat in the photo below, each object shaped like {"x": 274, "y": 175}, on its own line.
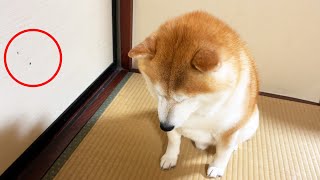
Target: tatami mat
{"x": 126, "y": 143}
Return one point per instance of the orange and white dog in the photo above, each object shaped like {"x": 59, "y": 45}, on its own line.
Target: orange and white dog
{"x": 206, "y": 84}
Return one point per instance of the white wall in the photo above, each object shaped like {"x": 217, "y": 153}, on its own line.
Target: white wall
{"x": 283, "y": 36}
{"x": 84, "y": 31}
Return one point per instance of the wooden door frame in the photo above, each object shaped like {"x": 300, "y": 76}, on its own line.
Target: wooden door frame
{"x": 126, "y": 18}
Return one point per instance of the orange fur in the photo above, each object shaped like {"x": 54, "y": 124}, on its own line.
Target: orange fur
{"x": 181, "y": 54}
{"x": 250, "y": 103}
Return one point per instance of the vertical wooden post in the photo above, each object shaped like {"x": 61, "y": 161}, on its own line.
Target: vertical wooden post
{"x": 126, "y": 32}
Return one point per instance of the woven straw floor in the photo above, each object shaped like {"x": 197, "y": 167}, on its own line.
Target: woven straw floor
{"x": 125, "y": 142}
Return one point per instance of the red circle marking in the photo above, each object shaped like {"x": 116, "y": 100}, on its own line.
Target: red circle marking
{"x": 33, "y": 30}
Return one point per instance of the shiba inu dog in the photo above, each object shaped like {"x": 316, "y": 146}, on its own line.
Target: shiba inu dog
{"x": 206, "y": 84}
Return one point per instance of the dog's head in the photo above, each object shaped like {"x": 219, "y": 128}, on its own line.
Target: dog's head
{"x": 182, "y": 64}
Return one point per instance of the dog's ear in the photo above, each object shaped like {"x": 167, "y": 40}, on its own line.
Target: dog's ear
{"x": 205, "y": 60}
{"x": 146, "y": 49}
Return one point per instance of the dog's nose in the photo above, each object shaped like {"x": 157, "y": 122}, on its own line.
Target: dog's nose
{"x": 166, "y": 127}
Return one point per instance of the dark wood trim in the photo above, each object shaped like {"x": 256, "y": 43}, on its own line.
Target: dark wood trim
{"x": 288, "y": 98}
{"x": 115, "y": 33}
{"x": 135, "y": 70}
{"x": 125, "y": 32}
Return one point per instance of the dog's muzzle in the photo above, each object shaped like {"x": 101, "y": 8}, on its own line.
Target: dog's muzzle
{"x": 166, "y": 127}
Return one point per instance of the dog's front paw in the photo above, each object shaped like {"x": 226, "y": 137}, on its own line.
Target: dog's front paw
{"x": 168, "y": 162}
{"x": 214, "y": 172}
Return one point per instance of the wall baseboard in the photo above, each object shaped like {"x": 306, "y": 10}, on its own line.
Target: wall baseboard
{"x": 135, "y": 70}
{"x": 288, "y": 98}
